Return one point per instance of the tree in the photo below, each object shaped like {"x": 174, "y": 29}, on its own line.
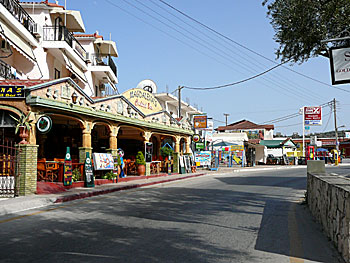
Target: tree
{"x": 300, "y": 25}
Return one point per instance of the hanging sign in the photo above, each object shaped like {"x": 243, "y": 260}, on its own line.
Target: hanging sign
{"x": 200, "y": 121}
{"x": 44, "y": 124}
{"x": 340, "y": 65}
{"x": 148, "y": 152}
{"x": 196, "y": 138}
{"x": 7, "y": 91}
{"x": 67, "y": 175}
{"x": 313, "y": 115}
{"x": 88, "y": 172}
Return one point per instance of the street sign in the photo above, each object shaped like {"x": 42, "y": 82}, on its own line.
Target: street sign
{"x": 313, "y": 116}
{"x": 340, "y": 65}
{"x": 200, "y": 121}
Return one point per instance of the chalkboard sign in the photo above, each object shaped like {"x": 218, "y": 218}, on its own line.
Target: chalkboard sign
{"x": 148, "y": 152}
{"x": 67, "y": 178}
{"x": 88, "y": 172}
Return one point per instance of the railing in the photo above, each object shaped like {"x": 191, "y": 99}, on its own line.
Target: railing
{"x": 61, "y": 33}
{"x": 19, "y": 13}
{"x": 5, "y": 71}
{"x": 98, "y": 60}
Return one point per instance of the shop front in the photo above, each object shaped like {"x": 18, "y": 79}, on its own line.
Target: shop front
{"x": 64, "y": 117}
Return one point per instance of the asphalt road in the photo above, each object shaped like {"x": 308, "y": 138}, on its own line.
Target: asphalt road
{"x": 238, "y": 217}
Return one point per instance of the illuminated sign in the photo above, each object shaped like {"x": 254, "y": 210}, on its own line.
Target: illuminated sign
{"x": 143, "y": 101}
{"x": 11, "y": 91}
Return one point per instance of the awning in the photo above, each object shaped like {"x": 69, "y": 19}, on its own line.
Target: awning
{"x": 106, "y": 47}
{"x": 72, "y": 67}
{"x": 17, "y": 42}
{"x": 74, "y": 20}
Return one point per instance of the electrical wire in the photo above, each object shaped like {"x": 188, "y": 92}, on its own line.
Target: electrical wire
{"x": 242, "y": 46}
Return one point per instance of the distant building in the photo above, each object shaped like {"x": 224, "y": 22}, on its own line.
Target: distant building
{"x": 253, "y": 130}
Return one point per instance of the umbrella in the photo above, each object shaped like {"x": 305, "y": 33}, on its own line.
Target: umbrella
{"x": 223, "y": 143}
{"x": 321, "y": 150}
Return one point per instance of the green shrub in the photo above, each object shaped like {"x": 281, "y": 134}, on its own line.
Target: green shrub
{"x": 109, "y": 175}
{"x": 140, "y": 158}
{"x": 76, "y": 175}
{"x": 166, "y": 151}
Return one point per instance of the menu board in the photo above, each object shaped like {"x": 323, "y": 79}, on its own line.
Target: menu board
{"x": 148, "y": 152}
{"x": 103, "y": 161}
{"x": 88, "y": 172}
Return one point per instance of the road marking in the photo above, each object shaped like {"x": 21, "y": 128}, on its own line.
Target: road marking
{"x": 295, "y": 246}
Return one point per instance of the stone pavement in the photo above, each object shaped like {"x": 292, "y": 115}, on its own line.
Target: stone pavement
{"x": 22, "y": 203}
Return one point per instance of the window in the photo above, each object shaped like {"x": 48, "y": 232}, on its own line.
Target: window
{"x": 57, "y": 74}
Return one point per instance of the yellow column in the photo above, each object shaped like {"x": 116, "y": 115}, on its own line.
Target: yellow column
{"x": 188, "y": 143}
{"x": 86, "y": 144}
{"x": 177, "y": 144}
{"x": 113, "y": 141}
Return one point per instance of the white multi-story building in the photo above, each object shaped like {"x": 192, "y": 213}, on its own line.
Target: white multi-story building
{"x": 39, "y": 41}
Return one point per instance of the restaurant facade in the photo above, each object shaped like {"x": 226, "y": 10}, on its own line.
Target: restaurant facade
{"x": 64, "y": 116}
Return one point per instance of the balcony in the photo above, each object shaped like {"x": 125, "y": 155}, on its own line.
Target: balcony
{"x": 98, "y": 60}
{"x": 20, "y": 14}
{"x": 61, "y": 33}
{"x": 5, "y": 71}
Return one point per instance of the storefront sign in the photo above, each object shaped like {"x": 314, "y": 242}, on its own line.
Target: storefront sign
{"x": 340, "y": 65}
{"x": 203, "y": 158}
{"x": 143, "y": 100}
{"x": 67, "y": 173}
{"x": 88, "y": 172}
{"x": 196, "y": 138}
{"x": 44, "y": 124}
{"x": 237, "y": 147}
{"x": 103, "y": 161}
{"x": 148, "y": 152}
{"x": 11, "y": 91}
{"x": 313, "y": 115}
{"x": 200, "y": 145}
{"x": 200, "y": 121}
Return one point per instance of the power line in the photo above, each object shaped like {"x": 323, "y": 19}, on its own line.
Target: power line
{"x": 242, "y": 46}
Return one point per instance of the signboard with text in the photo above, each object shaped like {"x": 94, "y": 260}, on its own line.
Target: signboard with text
{"x": 103, "y": 161}
{"x": 340, "y": 65}
{"x": 200, "y": 121}
{"x": 143, "y": 100}
{"x": 313, "y": 116}
{"x": 203, "y": 158}
{"x": 11, "y": 91}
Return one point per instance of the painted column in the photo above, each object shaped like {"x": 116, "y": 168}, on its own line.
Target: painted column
{"x": 188, "y": 143}
{"x": 86, "y": 142}
{"x": 176, "y": 154}
{"x": 113, "y": 141}
{"x": 147, "y": 136}
{"x": 177, "y": 144}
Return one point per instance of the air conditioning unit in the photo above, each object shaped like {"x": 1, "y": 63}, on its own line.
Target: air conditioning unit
{"x": 5, "y": 46}
{"x": 37, "y": 30}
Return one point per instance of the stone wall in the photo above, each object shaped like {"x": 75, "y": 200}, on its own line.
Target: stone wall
{"x": 328, "y": 199}
{"x": 28, "y": 169}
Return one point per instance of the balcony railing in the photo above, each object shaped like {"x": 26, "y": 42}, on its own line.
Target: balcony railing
{"x": 5, "y": 71}
{"x": 19, "y": 13}
{"x": 98, "y": 60}
{"x": 61, "y": 33}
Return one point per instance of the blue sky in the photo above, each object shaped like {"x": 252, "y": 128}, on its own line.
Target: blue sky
{"x": 175, "y": 56}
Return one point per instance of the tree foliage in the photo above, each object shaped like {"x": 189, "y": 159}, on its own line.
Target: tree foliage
{"x": 300, "y": 25}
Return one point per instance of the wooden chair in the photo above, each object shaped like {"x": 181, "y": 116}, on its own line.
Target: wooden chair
{"x": 41, "y": 168}
{"x": 52, "y": 171}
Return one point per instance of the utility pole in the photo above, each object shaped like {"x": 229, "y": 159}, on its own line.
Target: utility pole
{"x": 226, "y": 115}
{"x": 179, "y": 97}
{"x": 335, "y": 124}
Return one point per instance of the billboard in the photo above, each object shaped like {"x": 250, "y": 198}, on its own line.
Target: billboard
{"x": 202, "y": 158}
{"x": 312, "y": 116}
{"x": 340, "y": 65}
{"x": 200, "y": 121}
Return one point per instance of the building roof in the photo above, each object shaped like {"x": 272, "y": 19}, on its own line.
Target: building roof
{"x": 277, "y": 143}
{"x": 95, "y": 35}
{"x": 26, "y": 83}
{"x": 244, "y": 125}
{"x": 46, "y": 2}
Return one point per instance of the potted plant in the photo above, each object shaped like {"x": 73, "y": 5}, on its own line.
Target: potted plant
{"x": 23, "y": 126}
{"x": 141, "y": 163}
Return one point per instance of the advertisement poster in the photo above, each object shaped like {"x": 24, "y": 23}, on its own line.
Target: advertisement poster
{"x": 340, "y": 65}
{"x": 313, "y": 115}
{"x": 148, "y": 152}
{"x": 88, "y": 172}
{"x": 103, "y": 161}
{"x": 67, "y": 173}
{"x": 203, "y": 158}
{"x": 200, "y": 121}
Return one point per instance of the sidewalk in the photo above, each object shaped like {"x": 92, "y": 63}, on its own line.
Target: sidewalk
{"x": 18, "y": 204}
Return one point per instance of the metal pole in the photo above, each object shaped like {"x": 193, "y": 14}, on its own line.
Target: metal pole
{"x": 303, "y": 131}
{"x": 226, "y": 115}
{"x": 65, "y": 14}
{"x": 179, "y": 113}
{"x": 335, "y": 124}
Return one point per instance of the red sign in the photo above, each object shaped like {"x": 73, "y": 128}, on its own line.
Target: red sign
{"x": 313, "y": 115}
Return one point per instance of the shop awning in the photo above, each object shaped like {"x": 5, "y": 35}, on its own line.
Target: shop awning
{"x": 106, "y": 47}
{"x": 74, "y": 21}
{"x": 17, "y": 42}
{"x": 72, "y": 67}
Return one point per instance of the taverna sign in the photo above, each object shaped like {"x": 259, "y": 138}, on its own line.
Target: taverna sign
{"x": 143, "y": 100}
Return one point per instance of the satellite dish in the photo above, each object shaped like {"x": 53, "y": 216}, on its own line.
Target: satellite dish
{"x": 147, "y": 85}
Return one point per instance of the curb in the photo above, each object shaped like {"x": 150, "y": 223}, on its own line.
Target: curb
{"x": 72, "y": 197}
